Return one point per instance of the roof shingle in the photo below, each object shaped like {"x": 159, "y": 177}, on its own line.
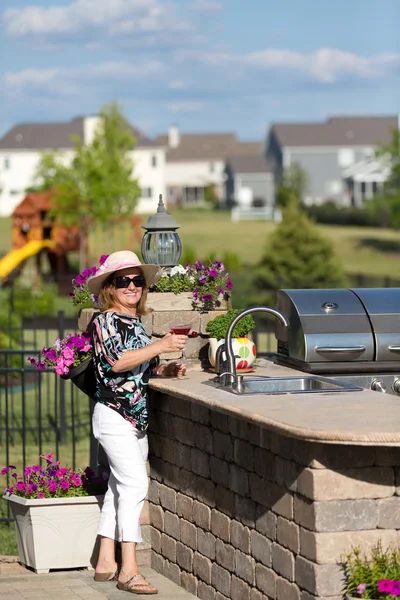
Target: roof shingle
{"x": 207, "y": 146}
{"x": 337, "y": 131}
{"x": 252, "y": 163}
{"x": 54, "y": 136}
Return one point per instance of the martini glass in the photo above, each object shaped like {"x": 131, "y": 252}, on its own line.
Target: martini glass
{"x": 182, "y": 329}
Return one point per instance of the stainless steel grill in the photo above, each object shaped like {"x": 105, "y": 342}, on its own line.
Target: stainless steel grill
{"x": 352, "y": 333}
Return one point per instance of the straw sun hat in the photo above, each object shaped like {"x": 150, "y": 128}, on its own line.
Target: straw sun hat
{"x": 118, "y": 261}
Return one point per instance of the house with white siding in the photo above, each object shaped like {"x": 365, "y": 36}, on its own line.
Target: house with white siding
{"x": 338, "y": 156}
{"x": 21, "y": 148}
{"x": 195, "y": 161}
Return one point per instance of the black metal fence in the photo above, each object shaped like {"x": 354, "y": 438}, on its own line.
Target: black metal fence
{"x": 39, "y": 411}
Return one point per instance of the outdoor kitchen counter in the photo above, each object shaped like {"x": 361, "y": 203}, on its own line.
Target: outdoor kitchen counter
{"x": 360, "y": 417}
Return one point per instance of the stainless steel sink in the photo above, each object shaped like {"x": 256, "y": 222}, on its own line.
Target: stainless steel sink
{"x": 284, "y": 385}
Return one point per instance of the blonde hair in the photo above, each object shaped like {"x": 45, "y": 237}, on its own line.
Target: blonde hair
{"x": 106, "y": 298}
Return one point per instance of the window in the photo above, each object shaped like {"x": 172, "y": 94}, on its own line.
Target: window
{"x": 14, "y": 192}
{"x": 194, "y": 195}
{"x": 171, "y": 192}
{"x": 369, "y": 152}
{"x": 333, "y": 187}
{"x": 212, "y": 167}
{"x": 7, "y": 163}
{"x": 147, "y": 192}
{"x": 154, "y": 160}
{"x": 346, "y": 157}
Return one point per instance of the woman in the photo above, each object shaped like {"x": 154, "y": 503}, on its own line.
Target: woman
{"x": 124, "y": 359}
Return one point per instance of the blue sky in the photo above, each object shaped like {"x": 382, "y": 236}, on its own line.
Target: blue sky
{"x": 205, "y": 65}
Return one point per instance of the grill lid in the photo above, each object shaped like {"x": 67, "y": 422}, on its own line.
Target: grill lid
{"x": 383, "y": 308}
{"x": 329, "y": 325}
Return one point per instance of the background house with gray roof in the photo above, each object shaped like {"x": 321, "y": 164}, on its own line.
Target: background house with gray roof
{"x": 22, "y": 145}
{"x": 197, "y": 160}
{"x": 326, "y": 150}
{"x": 249, "y": 182}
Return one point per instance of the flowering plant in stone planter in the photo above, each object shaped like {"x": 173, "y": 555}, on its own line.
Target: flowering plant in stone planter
{"x": 375, "y": 576}
{"x": 80, "y": 294}
{"x": 52, "y": 481}
{"x": 56, "y": 510}
{"x": 210, "y": 284}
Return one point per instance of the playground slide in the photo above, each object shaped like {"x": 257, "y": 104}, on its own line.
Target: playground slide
{"x": 14, "y": 258}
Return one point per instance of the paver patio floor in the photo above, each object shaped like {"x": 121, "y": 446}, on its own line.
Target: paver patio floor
{"x": 18, "y": 583}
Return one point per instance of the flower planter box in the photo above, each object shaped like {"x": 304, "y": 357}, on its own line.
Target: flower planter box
{"x": 56, "y": 533}
{"x": 168, "y": 301}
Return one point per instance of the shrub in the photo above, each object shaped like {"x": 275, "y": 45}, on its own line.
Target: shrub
{"x": 296, "y": 255}
{"x": 26, "y": 301}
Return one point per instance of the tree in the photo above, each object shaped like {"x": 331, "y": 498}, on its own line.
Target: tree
{"x": 294, "y": 185}
{"x": 98, "y": 183}
{"x": 211, "y": 196}
{"x": 296, "y": 255}
{"x": 389, "y": 201}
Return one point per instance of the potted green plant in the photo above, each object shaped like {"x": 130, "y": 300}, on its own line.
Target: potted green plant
{"x": 243, "y": 347}
{"x": 375, "y": 575}
{"x": 56, "y": 510}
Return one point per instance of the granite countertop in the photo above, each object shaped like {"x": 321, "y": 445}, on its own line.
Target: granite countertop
{"x": 359, "y": 417}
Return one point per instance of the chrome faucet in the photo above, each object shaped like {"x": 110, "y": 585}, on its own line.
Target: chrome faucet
{"x": 228, "y": 377}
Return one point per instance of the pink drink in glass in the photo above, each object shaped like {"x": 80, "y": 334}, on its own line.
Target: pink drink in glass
{"x": 181, "y": 329}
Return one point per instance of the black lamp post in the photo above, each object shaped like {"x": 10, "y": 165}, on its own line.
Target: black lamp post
{"x": 161, "y": 244}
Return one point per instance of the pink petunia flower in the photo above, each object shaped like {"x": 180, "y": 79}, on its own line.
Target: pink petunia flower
{"x": 385, "y": 585}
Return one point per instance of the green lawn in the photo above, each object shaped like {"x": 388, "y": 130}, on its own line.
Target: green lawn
{"x": 8, "y": 540}
{"x": 371, "y": 251}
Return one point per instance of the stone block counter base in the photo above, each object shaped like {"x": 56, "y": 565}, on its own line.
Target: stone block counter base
{"x": 239, "y": 510}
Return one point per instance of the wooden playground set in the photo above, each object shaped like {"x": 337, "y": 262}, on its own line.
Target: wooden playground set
{"x": 35, "y": 234}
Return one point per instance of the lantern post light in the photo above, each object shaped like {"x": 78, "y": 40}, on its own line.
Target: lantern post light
{"x": 161, "y": 244}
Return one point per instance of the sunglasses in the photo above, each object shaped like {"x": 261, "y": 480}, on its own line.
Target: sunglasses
{"x": 124, "y": 282}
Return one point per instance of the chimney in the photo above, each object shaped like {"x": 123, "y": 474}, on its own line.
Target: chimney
{"x": 90, "y": 125}
{"x": 174, "y": 137}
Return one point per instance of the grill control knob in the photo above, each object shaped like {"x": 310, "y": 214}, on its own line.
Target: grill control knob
{"x": 396, "y": 386}
{"x": 377, "y": 385}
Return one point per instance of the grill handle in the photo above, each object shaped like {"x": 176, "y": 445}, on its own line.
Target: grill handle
{"x": 342, "y": 349}
{"x": 394, "y": 348}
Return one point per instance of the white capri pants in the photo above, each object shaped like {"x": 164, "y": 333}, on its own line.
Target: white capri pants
{"x": 127, "y": 450}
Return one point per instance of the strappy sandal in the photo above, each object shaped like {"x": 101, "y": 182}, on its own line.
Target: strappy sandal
{"x": 107, "y": 576}
{"x": 145, "y": 589}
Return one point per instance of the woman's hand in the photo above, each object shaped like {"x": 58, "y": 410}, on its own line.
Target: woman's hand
{"x": 171, "y": 369}
{"x": 173, "y": 343}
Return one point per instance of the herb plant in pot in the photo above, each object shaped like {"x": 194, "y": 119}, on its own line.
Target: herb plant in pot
{"x": 244, "y": 348}
{"x": 375, "y": 575}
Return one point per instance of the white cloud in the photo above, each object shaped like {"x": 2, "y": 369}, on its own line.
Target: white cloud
{"x": 205, "y": 6}
{"x": 177, "y": 84}
{"x": 326, "y": 65}
{"x": 112, "y": 17}
{"x": 185, "y": 106}
{"x": 68, "y": 80}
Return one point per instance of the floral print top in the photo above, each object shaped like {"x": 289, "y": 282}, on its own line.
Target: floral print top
{"x": 113, "y": 334}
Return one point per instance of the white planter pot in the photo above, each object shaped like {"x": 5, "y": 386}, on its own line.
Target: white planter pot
{"x": 244, "y": 350}
{"x": 56, "y": 533}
